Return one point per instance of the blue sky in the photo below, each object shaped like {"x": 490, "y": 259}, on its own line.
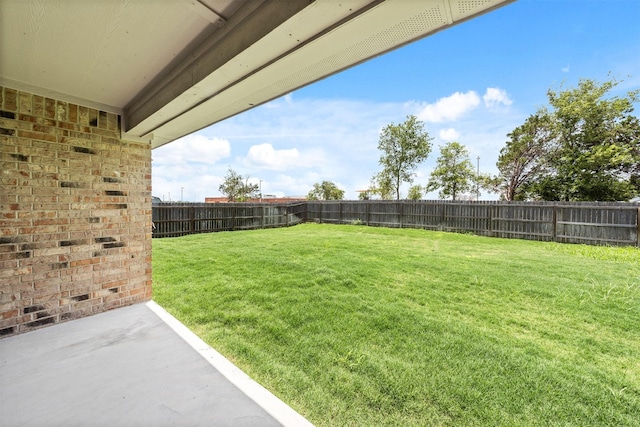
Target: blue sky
{"x": 472, "y": 83}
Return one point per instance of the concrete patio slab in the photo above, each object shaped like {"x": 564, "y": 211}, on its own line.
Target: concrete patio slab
{"x": 134, "y": 366}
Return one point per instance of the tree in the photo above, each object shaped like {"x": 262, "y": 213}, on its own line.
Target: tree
{"x": 326, "y": 190}
{"x": 585, "y": 147}
{"x": 524, "y": 158}
{"x": 454, "y": 172}
{"x": 595, "y": 144}
{"x": 237, "y": 188}
{"x": 404, "y": 147}
{"x": 415, "y": 192}
{"x": 381, "y": 186}
{"x": 488, "y": 182}
{"x": 594, "y": 154}
{"x": 632, "y": 126}
{"x": 364, "y": 195}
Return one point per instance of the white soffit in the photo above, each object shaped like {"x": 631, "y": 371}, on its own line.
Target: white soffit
{"x": 96, "y": 53}
{"x": 305, "y": 52}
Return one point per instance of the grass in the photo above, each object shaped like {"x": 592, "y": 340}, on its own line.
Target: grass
{"x": 359, "y": 326}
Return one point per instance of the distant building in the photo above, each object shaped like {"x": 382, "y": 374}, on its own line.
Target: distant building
{"x": 265, "y": 199}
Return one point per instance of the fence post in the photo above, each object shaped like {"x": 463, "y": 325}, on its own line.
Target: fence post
{"x": 192, "y": 220}
{"x": 233, "y": 218}
{"x": 286, "y": 215}
{"x": 555, "y": 224}
{"x": 368, "y": 212}
{"x": 494, "y": 212}
{"x": 339, "y": 212}
{"x": 320, "y": 212}
{"x": 401, "y": 214}
{"x": 638, "y": 228}
{"x": 262, "y": 208}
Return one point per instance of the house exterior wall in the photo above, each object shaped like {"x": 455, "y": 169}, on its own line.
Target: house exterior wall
{"x": 75, "y": 213}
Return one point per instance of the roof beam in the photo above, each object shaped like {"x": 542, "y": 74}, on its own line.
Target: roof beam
{"x": 250, "y": 23}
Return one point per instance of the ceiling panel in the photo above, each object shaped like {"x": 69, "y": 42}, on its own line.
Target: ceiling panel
{"x": 102, "y": 51}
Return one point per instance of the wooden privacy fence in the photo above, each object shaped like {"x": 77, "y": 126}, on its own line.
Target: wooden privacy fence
{"x": 588, "y": 223}
{"x": 172, "y": 220}
{"x": 614, "y": 224}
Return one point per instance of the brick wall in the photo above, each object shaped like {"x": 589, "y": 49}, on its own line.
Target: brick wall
{"x": 75, "y": 213}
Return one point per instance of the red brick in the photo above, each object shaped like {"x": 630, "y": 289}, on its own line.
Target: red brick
{"x": 37, "y": 135}
{"x": 10, "y": 99}
{"x": 10, "y": 314}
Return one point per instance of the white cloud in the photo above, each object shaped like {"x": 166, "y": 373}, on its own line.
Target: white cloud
{"x": 449, "y": 134}
{"x": 449, "y": 108}
{"x": 296, "y": 145}
{"x": 565, "y": 69}
{"x": 193, "y": 148}
{"x": 282, "y": 102}
{"x": 265, "y": 156}
{"x": 298, "y": 185}
{"x": 495, "y": 97}
{"x": 189, "y": 168}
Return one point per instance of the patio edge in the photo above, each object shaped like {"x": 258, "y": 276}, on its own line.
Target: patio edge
{"x": 275, "y": 407}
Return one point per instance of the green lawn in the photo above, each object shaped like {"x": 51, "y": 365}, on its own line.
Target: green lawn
{"x": 362, "y": 326}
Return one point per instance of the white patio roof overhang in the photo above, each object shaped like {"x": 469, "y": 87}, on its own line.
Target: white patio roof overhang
{"x": 171, "y": 67}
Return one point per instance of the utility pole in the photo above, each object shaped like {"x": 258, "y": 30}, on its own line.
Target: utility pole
{"x": 182, "y": 194}
{"x": 260, "y": 191}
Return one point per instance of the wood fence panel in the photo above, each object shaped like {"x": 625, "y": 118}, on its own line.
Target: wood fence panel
{"x": 173, "y": 220}
{"x": 596, "y": 225}
{"x": 330, "y": 212}
{"x": 467, "y": 217}
{"x": 296, "y": 213}
{"x": 209, "y": 219}
{"x": 384, "y": 214}
{"x": 588, "y": 223}
{"x": 314, "y": 211}
{"x": 422, "y": 215}
{"x": 532, "y": 222}
{"x": 354, "y": 212}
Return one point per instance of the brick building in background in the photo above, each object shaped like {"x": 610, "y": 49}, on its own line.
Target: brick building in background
{"x": 264, "y": 199}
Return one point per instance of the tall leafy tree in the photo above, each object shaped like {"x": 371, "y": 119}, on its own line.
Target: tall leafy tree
{"x": 404, "y": 146}
{"x": 594, "y": 153}
{"x": 631, "y": 134}
{"x": 454, "y": 172}
{"x": 237, "y": 188}
{"x": 523, "y": 160}
{"x": 326, "y": 190}
{"x": 585, "y": 147}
